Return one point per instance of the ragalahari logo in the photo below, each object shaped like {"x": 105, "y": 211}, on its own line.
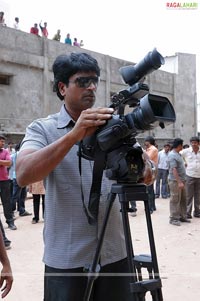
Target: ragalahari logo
{"x": 182, "y": 5}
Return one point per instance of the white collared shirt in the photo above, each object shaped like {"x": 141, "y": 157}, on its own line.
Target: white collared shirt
{"x": 192, "y": 161}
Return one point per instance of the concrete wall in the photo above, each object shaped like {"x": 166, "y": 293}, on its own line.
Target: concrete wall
{"x": 27, "y": 60}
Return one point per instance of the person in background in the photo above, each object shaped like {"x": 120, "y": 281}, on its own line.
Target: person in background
{"x": 68, "y": 39}
{"x": 149, "y": 175}
{"x": 7, "y": 242}
{"x": 152, "y": 153}
{"x": 2, "y": 20}
{"x": 19, "y": 193}
{"x": 162, "y": 172}
{"x": 49, "y": 151}
{"x": 6, "y": 277}
{"x": 16, "y": 23}
{"x": 10, "y": 148}
{"x": 57, "y": 36}
{"x": 191, "y": 157}
{"x": 34, "y": 30}
{"x": 5, "y": 162}
{"x": 75, "y": 43}
{"x": 177, "y": 180}
{"x": 37, "y": 189}
{"x": 44, "y": 29}
{"x": 81, "y": 43}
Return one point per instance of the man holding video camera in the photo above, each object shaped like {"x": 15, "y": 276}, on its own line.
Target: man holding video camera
{"x": 49, "y": 151}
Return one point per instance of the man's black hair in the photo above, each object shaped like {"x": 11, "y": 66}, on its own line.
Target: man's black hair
{"x": 150, "y": 139}
{"x": 2, "y": 137}
{"x": 194, "y": 138}
{"x": 65, "y": 66}
{"x": 177, "y": 142}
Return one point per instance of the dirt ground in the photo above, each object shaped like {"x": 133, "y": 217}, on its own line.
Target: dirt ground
{"x": 178, "y": 253}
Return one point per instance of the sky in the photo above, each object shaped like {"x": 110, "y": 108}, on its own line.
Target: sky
{"x": 125, "y": 29}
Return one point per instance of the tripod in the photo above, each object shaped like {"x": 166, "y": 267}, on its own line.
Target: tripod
{"x": 138, "y": 286}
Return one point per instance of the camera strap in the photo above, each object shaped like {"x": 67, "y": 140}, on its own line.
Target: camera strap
{"x": 95, "y": 191}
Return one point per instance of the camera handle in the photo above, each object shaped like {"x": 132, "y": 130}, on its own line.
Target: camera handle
{"x": 138, "y": 286}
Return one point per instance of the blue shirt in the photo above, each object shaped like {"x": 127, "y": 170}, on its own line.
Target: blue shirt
{"x": 163, "y": 160}
{"x": 69, "y": 240}
{"x": 176, "y": 161}
{"x": 68, "y": 41}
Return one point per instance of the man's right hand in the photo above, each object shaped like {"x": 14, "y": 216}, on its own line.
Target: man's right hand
{"x": 34, "y": 165}
{"x": 90, "y": 120}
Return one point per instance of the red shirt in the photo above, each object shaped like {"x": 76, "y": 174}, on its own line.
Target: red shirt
{"x": 4, "y": 155}
{"x": 34, "y": 30}
{"x": 44, "y": 31}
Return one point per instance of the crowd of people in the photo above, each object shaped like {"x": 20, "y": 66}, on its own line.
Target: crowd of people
{"x": 41, "y": 30}
{"x": 13, "y": 199}
{"x": 13, "y": 196}
{"x": 184, "y": 181}
{"x": 178, "y": 178}
{"x": 57, "y": 36}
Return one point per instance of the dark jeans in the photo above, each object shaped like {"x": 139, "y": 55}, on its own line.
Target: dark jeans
{"x": 151, "y": 196}
{"x": 133, "y": 206}
{"x": 162, "y": 179}
{"x": 18, "y": 197}
{"x": 69, "y": 287}
{"x": 11, "y": 187}
{"x": 36, "y": 206}
{"x": 5, "y": 239}
{"x": 5, "y": 198}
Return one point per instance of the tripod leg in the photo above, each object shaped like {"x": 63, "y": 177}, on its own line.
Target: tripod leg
{"x": 157, "y": 295}
{"x": 129, "y": 247}
{"x": 94, "y": 269}
{"x": 128, "y": 240}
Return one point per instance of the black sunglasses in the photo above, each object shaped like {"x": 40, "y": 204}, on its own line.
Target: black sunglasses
{"x": 85, "y": 82}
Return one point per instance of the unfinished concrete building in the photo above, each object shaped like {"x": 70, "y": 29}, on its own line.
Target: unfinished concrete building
{"x": 26, "y": 85}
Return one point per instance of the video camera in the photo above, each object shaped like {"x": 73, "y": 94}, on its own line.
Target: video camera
{"x": 123, "y": 159}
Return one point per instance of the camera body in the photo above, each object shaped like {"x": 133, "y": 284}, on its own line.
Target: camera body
{"x": 123, "y": 160}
